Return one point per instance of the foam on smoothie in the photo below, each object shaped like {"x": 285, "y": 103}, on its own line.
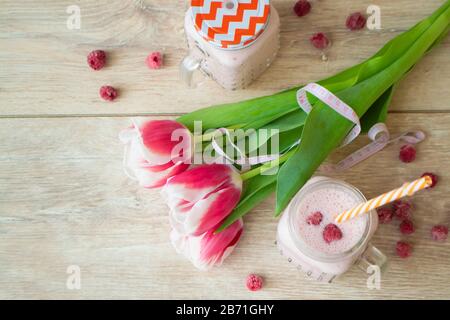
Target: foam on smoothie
{"x": 330, "y": 201}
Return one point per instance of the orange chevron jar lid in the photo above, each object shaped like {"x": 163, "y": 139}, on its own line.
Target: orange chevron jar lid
{"x": 230, "y": 24}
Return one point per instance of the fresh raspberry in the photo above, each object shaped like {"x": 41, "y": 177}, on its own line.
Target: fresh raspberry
{"x": 254, "y": 282}
{"x": 332, "y": 233}
{"x": 302, "y": 8}
{"x": 96, "y": 59}
{"x": 385, "y": 215}
{"x": 315, "y": 218}
{"x": 108, "y": 93}
{"x": 403, "y": 249}
{"x": 155, "y": 60}
{"x": 407, "y": 153}
{"x": 406, "y": 227}
{"x": 356, "y": 21}
{"x": 402, "y": 209}
{"x": 320, "y": 41}
{"x": 439, "y": 233}
{"x": 434, "y": 178}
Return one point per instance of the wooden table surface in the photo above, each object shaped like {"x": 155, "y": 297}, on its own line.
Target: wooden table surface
{"x": 64, "y": 199}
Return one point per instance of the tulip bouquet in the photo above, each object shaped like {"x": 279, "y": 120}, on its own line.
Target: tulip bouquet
{"x": 158, "y": 154}
{"x": 208, "y": 200}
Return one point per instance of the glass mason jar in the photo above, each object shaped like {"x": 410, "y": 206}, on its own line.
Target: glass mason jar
{"x": 230, "y": 41}
{"x": 326, "y": 266}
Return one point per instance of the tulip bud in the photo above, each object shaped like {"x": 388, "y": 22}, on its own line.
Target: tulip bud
{"x": 155, "y": 151}
{"x": 208, "y": 249}
{"x": 202, "y": 197}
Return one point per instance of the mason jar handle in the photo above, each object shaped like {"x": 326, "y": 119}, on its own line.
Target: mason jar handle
{"x": 188, "y": 66}
{"x": 371, "y": 257}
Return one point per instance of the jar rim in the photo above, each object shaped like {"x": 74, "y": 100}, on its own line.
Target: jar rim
{"x": 225, "y": 41}
{"x": 293, "y": 228}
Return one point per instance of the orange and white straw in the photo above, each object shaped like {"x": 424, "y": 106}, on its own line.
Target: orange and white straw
{"x": 408, "y": 189}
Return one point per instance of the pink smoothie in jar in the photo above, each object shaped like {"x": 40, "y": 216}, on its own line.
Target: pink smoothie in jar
{"x": 234, "y": 45}
{"x": 304, "y": 245}
{"x": 329, "y": 200}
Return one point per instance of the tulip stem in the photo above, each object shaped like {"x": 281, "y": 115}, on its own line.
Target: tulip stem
{"x": 267, "y": 166}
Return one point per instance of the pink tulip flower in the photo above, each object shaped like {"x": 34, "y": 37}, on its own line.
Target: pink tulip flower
{"x": 155, "y": 151}
{"x": 208, "y": 249}
{"x": 202, "y": 197}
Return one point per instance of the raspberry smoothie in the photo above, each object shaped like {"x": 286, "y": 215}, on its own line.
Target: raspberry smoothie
{"x": 310, "y": 239}
{"x": 329, "y": 201}
{"x": 233, "y": 67}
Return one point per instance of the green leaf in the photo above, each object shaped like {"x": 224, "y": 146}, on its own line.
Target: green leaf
{"x": 256, "y": 184}
{"x": 312, "y": 151}
{"x": 288, "y": 122}
{"x": 289, "y": 128}
{"x": 244, "y": 112}
{"x": 378, "y": 111}
{"x": 285, "y": 141}
{"x": 268, "y": 121}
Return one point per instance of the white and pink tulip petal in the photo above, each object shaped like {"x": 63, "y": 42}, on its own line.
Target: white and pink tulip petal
{"x": 138, "y": 168}
{"x": 196, "y": 183}
{"x": 208, "y": 249}
{"x": 206, "y": 213}
{"x": 202, "y": 197}
{"x": 163, "y": 141}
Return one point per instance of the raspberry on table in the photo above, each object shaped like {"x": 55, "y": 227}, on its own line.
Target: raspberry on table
{"x": 155, "y": 60}
{"x": 356, "y": 21}
{"x": 97, "y": 59}
{"x": 320, "y": 41}
{"x": 406, "y": 227}
{"x": 403, "y": 249}
{"x": 385, "y": 215}
{"x": 439, "y": 233}
{"x": 402, "y": 209}
{"x": 254, "y": 282}
{"x": 407, "y": 153}
{"x": 108, "y": 93}
{"x": 332, "y": 233}
{"x": 302, "y": 8}
{"x": 434, "y": 178}
{"x": 315, "y": 219}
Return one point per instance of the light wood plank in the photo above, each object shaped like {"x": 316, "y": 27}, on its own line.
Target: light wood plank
{"x": 43, "y": 64}
{"x": 65, "y": 201}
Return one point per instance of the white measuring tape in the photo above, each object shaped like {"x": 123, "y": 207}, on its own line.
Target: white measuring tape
{"x": 334, "y": 102}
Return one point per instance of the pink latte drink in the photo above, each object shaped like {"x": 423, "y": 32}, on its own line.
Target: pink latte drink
{"x": 310, "y": 239}
{"x": 230, "y": 41}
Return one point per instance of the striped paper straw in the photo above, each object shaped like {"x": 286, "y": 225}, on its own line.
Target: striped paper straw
{"x": 408, "y": 189}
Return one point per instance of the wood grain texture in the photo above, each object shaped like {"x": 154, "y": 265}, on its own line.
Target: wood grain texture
{"x": 43, "y": 68}
{"x": 64, "y": 200}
